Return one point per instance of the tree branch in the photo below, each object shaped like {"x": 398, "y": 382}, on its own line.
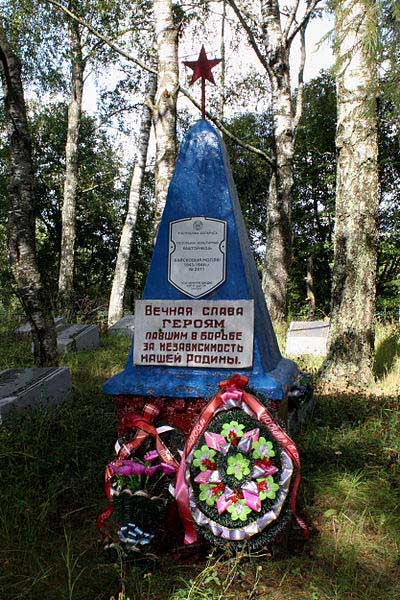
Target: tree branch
{"x": 291, "y": 17}
{"x": 303, "y": 23}
{"x": 250, "y": 35}
{"x": 300, "y": 87}
{"x": 101, "y": 184}
{"x": 102, "y": 37}
{"x": 138, "y": 62}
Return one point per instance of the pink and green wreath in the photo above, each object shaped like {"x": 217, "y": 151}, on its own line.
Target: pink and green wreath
{"x": 239, "y": 479}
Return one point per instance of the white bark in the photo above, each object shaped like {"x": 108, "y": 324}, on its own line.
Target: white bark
{"x": 66, "y": 272}
{"x": 351, "y": 338}
{"x": 278, "y": 243}
{"x": 275, "y": 59}
{"x": 21, "y": 222}
{"x": 116, "y": 305}
{"x": 164, "y": 111}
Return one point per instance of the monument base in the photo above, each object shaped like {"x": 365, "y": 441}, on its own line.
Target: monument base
{"x": 179, "y": 413}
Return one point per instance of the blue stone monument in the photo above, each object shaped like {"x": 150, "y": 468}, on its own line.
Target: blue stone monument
{"x": 202, "y": 192}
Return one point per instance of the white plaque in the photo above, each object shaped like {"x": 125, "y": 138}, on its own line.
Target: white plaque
{"x": 197, "y": 255}
{"x": 185, "y": 333}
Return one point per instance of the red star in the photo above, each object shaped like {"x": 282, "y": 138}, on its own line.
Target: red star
{"x": 202, "y": 67}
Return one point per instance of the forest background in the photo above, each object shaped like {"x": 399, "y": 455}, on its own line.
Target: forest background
{"x": 41, "y": 36}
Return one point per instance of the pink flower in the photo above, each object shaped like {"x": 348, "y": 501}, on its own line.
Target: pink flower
{"x": 151, "y": 455}
{"x": 126, "y": 468}
{"x": 167, "y": 469}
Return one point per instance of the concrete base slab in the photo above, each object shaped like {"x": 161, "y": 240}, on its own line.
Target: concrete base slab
{"x": 26, "y": 329}
{"x": 78, "y": 337}
{"x": 307, "y": 337}
{"x": 125, "y": 326}
{"x": 21, "y": 388}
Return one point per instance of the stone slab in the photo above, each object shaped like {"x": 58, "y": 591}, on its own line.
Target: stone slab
{"x": 307, "y": 337}
{"x": 26, "y": 329}
{"x": 125, "y": 326}
{"x": 21, "y": 388}
{"x": 78, "y": 337}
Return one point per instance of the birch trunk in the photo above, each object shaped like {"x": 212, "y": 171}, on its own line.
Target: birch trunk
{"x": 310, "y": 288}
{"x": 164, "y": 111}
{"x": 21, "y": 221}
{"x": 223, "y": 61}
{"x": 351, "y": 338}
{"x": 278, "y": 239}
{"x": 116, "y": 305}
{"x": 66, "y": 273}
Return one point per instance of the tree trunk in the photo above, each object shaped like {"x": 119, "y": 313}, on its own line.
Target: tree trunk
{"x": 351, "y": 338}
{"x": 116, "y": 306}
{"x": 66, "y": 273}
{"x": 278, "y": 239}
{"x": 164, "y": 112}
{"x": 223, "y": 62}
{"x": 310, "y": 288}
{"x": 21, "y": 221}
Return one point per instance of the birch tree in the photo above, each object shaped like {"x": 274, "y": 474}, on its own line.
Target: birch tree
{"x": 351, "y": 338}
{"x": 116, "y": 304}
{"x": 164, "y": 108}
{"x": 68, "y": 234}
{"x": 21, "y": 222}
{"x": 272, "y": 44}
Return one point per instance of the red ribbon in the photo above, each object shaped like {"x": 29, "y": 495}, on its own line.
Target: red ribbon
{"x": 233, "y": 388}
{"x": 144, "y": 428}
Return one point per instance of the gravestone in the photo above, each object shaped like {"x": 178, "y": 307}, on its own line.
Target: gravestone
{"x": 20, "y": 388}
{"x": 307, "y": 337}
{"x": 78, "y": 337}
{"x": 125, "y": 326}
{"x": 203, "y": 316}
{"x": 26, "y": 329}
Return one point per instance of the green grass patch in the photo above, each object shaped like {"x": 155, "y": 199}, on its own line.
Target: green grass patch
{"x": 52, "y": 465}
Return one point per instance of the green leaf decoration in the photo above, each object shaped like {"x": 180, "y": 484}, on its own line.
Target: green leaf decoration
{"x": 263, "y": 449}
{"x": 207, "y": 494}
{"x": 232, "y": 427}
{"x": 238, "y": 466}
{"x": 203, "y": 454}
{"x": 239, "y": 511}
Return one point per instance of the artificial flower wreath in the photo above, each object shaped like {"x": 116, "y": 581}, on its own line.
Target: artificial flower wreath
{"x": 238, "y": 478}
{"x": 236, "y": 473}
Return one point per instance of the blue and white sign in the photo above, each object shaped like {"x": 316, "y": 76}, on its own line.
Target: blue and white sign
{"x": 197, "y": 255}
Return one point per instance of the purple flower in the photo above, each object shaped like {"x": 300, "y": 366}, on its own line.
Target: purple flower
{"x": 151, "y": 455}
{"x": 126, "y": 468}
{"x": 130, "y": 467}
{"x": 167, "y": 469}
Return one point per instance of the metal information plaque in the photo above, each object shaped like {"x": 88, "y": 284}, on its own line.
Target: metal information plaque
{"x": 197, "y": 255}
{"x": 183, "y": 333}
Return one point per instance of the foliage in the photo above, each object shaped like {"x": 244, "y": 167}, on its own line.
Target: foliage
{"x": 313, "y": 208}
{"x": 314, "y": 194}
{"x": 251, "y": 175}
{"x": 102, "y": 197}
{"x": 388, "y": 283}
{"x": 389, "y": 50}
{"x": 100, "y": 201}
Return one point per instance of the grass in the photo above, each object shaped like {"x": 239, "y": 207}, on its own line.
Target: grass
{"x": 52, "y": 464}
